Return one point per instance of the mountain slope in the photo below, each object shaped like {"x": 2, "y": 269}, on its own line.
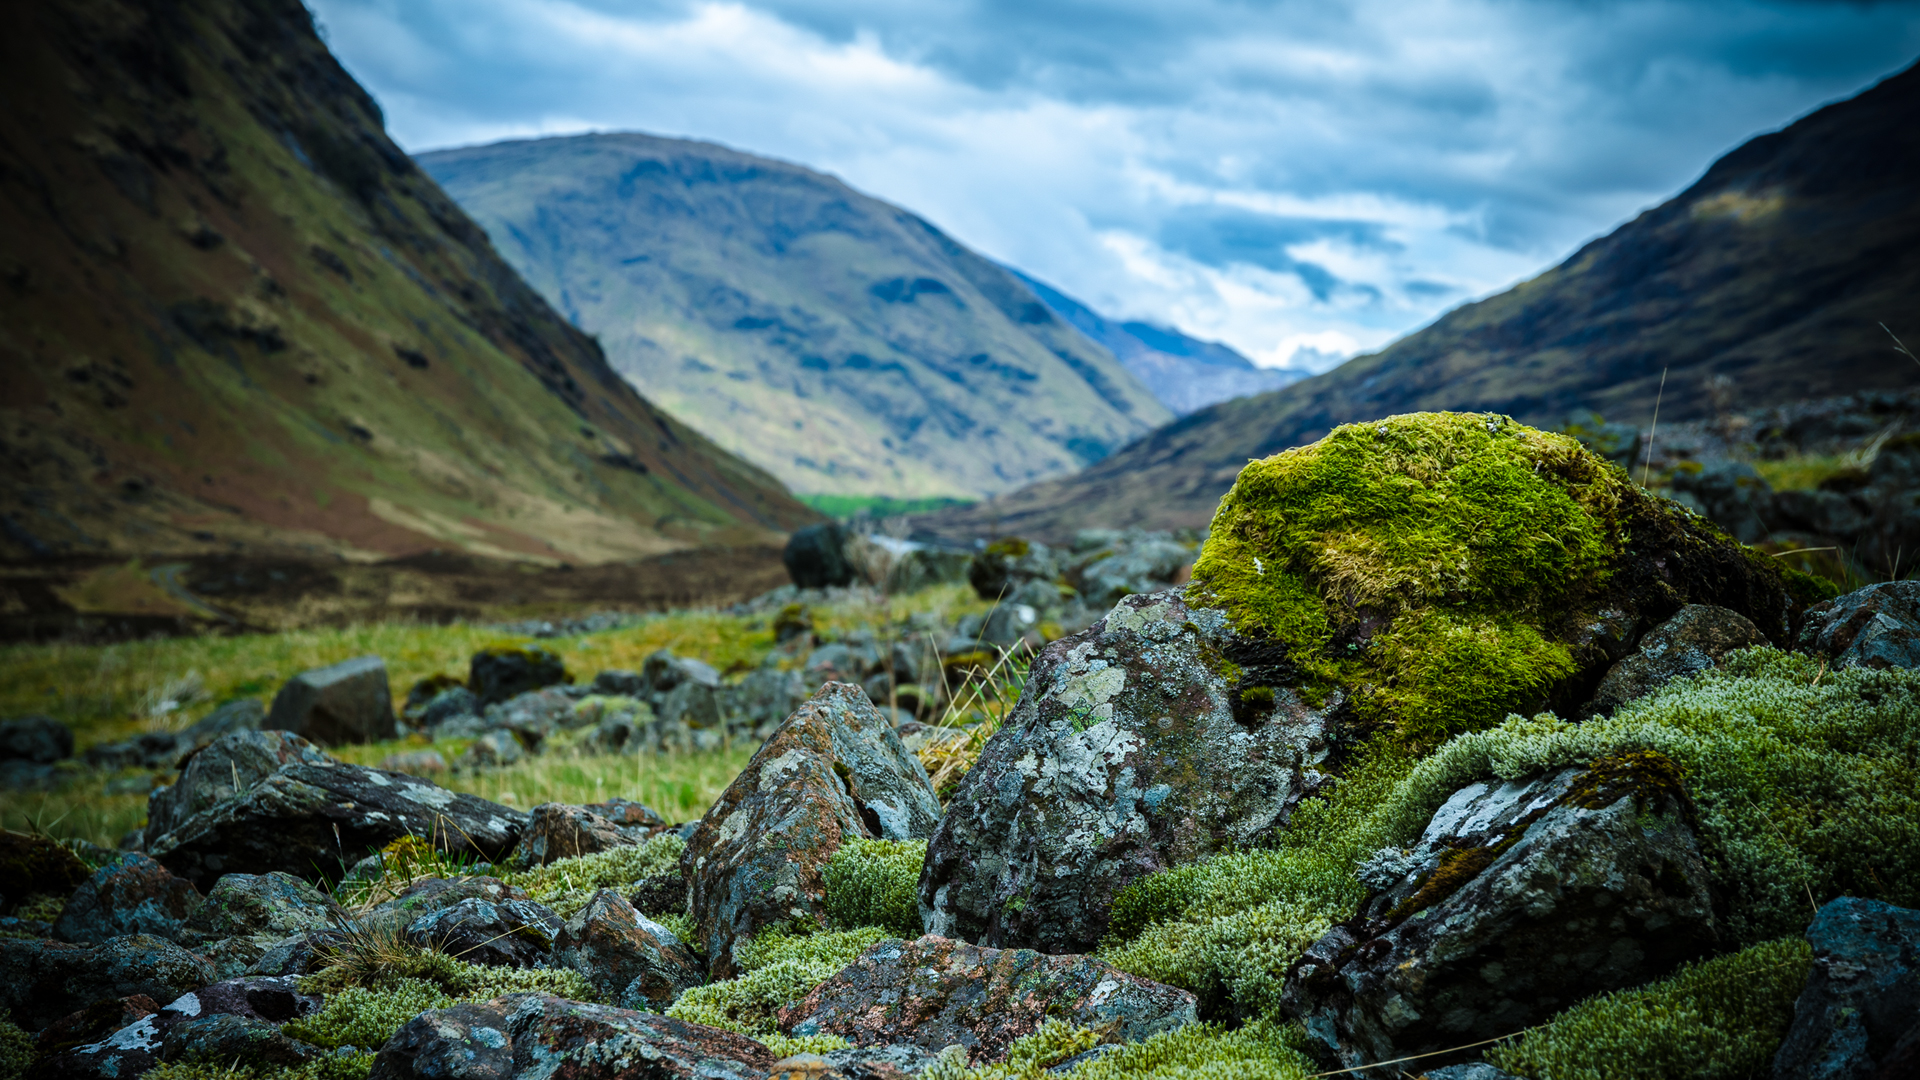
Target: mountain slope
{"x": 233, "y": 315}
{"x": 841, "y": 343}
{"x": 1185, "y": 373}
{"x": 1775, "y": 269}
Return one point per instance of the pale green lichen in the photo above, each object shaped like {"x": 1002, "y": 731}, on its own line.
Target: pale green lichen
{"x": 364, "y": 1018}
{"x": 567, "y": 885}
{"x": 1261, "y": 1050}
{"x": 16, "y": 1049}
{"x": 1464, "y": 535}
{"x": 780, "y": 968}
{"x": 876, "y": 883}
{"x": 1716, "y": 1020}
{"x": 789, "y": 1045}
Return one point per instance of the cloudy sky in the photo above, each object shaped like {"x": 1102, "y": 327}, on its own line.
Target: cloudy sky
{"x": 1302, "y": 179}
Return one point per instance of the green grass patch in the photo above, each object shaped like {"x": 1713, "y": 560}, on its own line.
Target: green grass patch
{"x": 846, "y": 506}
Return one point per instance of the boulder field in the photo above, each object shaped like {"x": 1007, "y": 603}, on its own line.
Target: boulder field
{"x": 1459, "y": 756}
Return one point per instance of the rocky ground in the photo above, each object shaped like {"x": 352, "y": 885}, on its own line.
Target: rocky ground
{"x": 1453, "y": 752}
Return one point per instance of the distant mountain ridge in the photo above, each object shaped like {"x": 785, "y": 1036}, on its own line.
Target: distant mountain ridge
{"x": 843, "y": 344}
{"x": 1184, "y": 372}
{"x": 235, "y": 316}
{"x": 1775, "y": 269}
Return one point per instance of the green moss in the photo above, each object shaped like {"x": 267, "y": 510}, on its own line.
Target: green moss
{"x": 567, "y": 885}
{"x": 788, "y": 1045}
{"x": 1809, "y": 589}
{"x": 780, "y": 968}
{"x": 357, "y": 1016}
{"x": 16, "y": 1049}
{"x": 1723, "y": 1018}
{"x": 876, "y": 883}
{"x": 1260, "y": 1050}
{"x": 338, "y": 1066}
{"x": 1009, "y": 547}
{"x": 42, "y": 907}
{"x": 1462, "y": 536}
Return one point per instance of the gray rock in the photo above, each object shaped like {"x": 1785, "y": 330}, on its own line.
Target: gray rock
{"x": 462, "y": 1042}
{"x": 224, "y": 768}
{"x": 491, "y": 750}
{"x": 1877, "y": 627}
{"x": 130, "y": 895}
{"x": 663, "y": 673}
{"x": 1008, "y": 623}
{"x": 1128, "y": 753}
{"x": 506, "y": 933}
{"x": 539, "y": 1035}
{"x": 315, "y": 821}
{"x": 765, "y": 697}
{"x": 1829, "y": 514}
{"x": 235, "y": 1041}
{"x": 448, "y": 704}
{"x": 1862, "y": 999}
{"x": 936, "y": 992}
{"x": 874, "y": 1062}
{"x": 618, "y": 683}
{"x": 1695, "y": 639}
{"x": 1472, "y": 1070}
{"x": 692, "y": 704}
{"x": 534, "y": 715}
{"x": 1148, "y": 566}
{"x": 496, "y": 675}
{"x": 436, "y": 893}
{"x": 42, "y": 981}
{"x": 1522, "y": 899}
{"x": 348, "y": 702}
{"x": 632, "y": 960}
{"x": 240, "y": 714}
{"x": 1008, "y": 563}
{"x": 816, "y": 557}
{"x": 1733, "y": 495}
{"x": 559, "y": 831}
{"x": 19, "y": 774}
{"x": 246, "y": 915}
{"x": 835, "y": 770}
{"x": 41, "y": 740}
{"x": 233, "y": 1020}
{"x": 147, "y": 750}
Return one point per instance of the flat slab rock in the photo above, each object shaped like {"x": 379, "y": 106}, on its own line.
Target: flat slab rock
{"x": 538, "y": 1035}
{"x": 288, "y": 822}
{"x": 1129, "y": 752}
{"x": 1519, "y": 900}
{"x": 836, "y": 770}
{"x": 935, "y": 992}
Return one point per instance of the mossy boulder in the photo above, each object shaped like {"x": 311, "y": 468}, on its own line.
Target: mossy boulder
{"x": 1446, "y": 569}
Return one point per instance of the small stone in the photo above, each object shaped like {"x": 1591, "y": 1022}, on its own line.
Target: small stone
{"x": 348, "y": 702}
{"x": 558, "y": 831}
{"x": 509, "y": 933}
{"x": 415, "y": 763}
{"x": 492, "y": 750}
{"x": 628, "y": 957}
{"x": 495, "y": 675}
{"x": 1877, "y": 627}
{"x": 234, "y": 1041}
{"x": 462, "y": 1042}
{"x": 935, "y": 992}
{"x": 803, "y": 1067}
{"x": 1694, "y": 640}
{"x": 130, "y": 895}
{"x": 1862, "y": 997}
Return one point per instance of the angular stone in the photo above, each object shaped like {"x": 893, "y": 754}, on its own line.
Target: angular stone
{"x": 454, "y": 701}
{"x": 37, "y": 866}
{"x": 226, "y": 767}
{"x": 815, "y": 556}
{"x": 234, "y": 1041}
{"x": 1877, "y": 627}
{"x": 508, "y": 933}
{"x": 1129, "y": 752}
{"x": 559, "y": 831}
{"x": 492, "y": 750}
{"x": 462, "y": 1042}
{"x": 935, "y": 992}
{"x": 1519, "y": 900}
{"x": 93, "y": 1023}
{"x": 598, "y": 1042}
{"x": 240, "y": 714}
{"x": 1862, "y": 997}
{"x": 130, "y": 895}
{"x": 1692, "y": 641}
{"x": 632, "y": 960}
{"x": 434, "y": 894}
{"x": 415, "y": 763}
{"x": 896, "y": 1061}
{"x": 42, "y": 981}
{"x": 39, "y": 739}
{"x": 348, "y": 702}
{"x": 253, "y": 1010}
{"x": 1145, "y": 567}
{"x": 316, "y": 821}
{"x": 835, "y": 770}
{"x": 499, "y": 674}
{"x": 269, "y": 906}
{"x": 638, "y": 819}
{"x": 616, "y": 682}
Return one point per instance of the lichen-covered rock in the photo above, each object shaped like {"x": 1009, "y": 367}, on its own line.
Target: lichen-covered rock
{"x": 1878, "y": 627}
{"x": 1692, "y": 641}
{"x": 36, "y": 866}
{"x": 234, "y": 1041}
{"x": 432, "y": 894}
{"x": 506, "y": 933}
{"x": 1519, "y": 899}
{"x": 347, "y": 702}
{"x": 895, "y": 1061}
{"x": 252, "y": 1010}
{"x": 266, "y": 907}
{"x": 130, "y": 895}
{"x": 1009, "y": 562}
{"x": 559, "y": 831}
{"x": 936, "y": 992}
{"x": 224, "y": 768}
{"x": 1862, "y": 999}
{"x": 462, "y": 1042}
{"x": 633, "y": 961}
{"x": 415, "y": 763}
{"x": 538, "y": 1035}
{"x": 93, "y": 1023}
{"x": 835, "y": 770}
{"x": 492, "y": 750}
{"x": 42, "y": 981}
{"x": 1131, "y": 751}
{"x": 318, "y": 820}
{"x": 498, "y": 674}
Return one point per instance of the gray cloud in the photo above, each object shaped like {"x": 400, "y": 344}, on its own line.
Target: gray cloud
{"x": 1284, "y": 175}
